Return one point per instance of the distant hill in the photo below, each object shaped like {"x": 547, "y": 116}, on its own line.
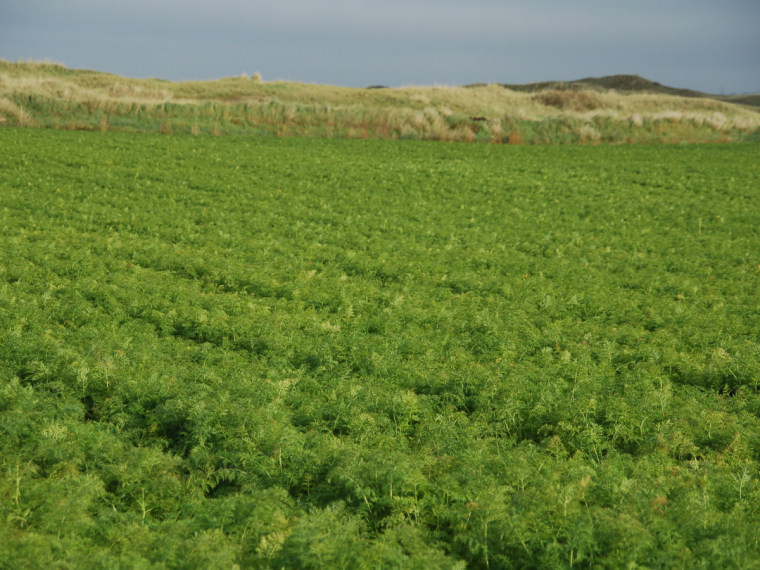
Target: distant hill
{"x": 751, "y": 100}
{"x": 627, "y": 83}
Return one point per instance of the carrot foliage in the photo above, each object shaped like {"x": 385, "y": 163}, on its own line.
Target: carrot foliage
{"x": 291, "y": 353}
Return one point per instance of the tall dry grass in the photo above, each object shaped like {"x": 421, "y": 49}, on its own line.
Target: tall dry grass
{"x": 9, "y": 110}
{"x": 240, "y": 104}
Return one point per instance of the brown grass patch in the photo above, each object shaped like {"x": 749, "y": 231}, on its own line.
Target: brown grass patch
{"x": 578, "y": 101}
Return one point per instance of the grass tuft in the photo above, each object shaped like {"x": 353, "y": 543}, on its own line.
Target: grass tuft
{"x": 578, "y": 101}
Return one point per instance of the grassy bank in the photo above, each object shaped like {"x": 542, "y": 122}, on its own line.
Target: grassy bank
{"x": 52, "y": 96}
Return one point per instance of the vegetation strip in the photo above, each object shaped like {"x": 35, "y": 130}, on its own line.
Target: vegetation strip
{"x": 613, "y": 110}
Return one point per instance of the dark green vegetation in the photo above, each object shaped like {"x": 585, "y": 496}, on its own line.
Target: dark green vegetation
{"x": 268, "y": 353}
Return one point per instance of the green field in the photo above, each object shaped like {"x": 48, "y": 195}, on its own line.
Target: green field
{"x": 223, "y": 352}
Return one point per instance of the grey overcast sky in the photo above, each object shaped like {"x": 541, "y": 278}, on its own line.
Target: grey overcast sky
{"x": 708, "y": 45}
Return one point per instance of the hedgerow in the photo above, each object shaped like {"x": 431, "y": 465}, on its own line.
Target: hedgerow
{"x": 292, "y": 353}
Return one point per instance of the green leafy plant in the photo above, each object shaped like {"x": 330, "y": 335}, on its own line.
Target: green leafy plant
{"x": 267, "y": 353}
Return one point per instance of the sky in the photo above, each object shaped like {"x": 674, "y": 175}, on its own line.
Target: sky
{"x": 708, "y": 45}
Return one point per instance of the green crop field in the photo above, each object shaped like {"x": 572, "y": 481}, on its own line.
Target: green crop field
{"x": 270, "y": 353}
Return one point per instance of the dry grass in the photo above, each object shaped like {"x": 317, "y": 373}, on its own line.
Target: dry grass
{"x": 9, "y": 110}
{"x": 434, "y": 113}
{"x": 578, "y": 101}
